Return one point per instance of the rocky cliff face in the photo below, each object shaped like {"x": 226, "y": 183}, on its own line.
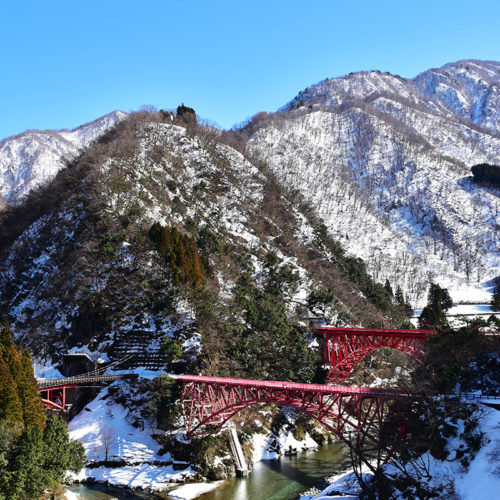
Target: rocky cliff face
{"x": 386, "y": 162}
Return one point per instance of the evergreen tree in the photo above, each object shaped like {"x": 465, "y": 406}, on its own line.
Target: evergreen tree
{"x": 23, "y": 380}
{"x": 495, "y": 300}
{"x": 27, "y": 478}
{"x": 11, "y": 356}
{"x": 30, "y": 460}
{"x": 400, "y": 298}
{"x": 10, "y": 403}
{"x": 39, "y": 460}
{"x": 5, "y": 337}
{"x": 179, "y": 251}
{"x": 408, "y": 307}
{"x": 434, "y": 313}
{"x": 439, "y": 297}
{"x": 34, "y": 413}
{"x": 186, "y": 114}
{"x": 9, "y": 433}
{"x": 388, "y": 287}
{"x": 62, "y": 454}
{"x": 486, "y": 172}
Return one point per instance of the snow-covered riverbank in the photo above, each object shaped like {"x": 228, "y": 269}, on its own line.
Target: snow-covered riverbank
{"x": 122, "y": 454}
{"x": 479, "y": 480}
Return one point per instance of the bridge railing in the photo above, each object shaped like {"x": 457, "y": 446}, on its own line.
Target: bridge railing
{"x": 76, "y": 380}
{"x": 467, "y": 396}
{"x": 321, "y": 330}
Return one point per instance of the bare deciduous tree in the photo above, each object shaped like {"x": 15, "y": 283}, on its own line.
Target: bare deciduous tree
{"x": 108, "y": 440}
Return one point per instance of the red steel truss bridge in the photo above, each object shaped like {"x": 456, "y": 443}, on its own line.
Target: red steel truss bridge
{"x": 346, "y": 347}
{"x": 54, "y": 391}
{"x": 360, "y": 417}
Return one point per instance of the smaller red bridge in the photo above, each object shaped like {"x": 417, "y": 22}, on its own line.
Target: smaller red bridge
{"x": 357, "y": 415}
{"x": 346, "y": 347}
{"x": 54, "y": 391}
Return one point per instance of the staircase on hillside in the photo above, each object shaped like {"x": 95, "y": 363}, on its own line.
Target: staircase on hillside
{"x": 143, "y": 347}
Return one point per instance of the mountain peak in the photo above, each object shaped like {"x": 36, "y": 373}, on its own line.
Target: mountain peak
{"x": 33, "y": 157}
{"x": 468, "y": 89}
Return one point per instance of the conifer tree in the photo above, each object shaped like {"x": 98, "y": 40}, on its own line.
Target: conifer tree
{"x": 9, "y": 433}
{"x": 30, "y": 460}
{"x": 388, "y": 287}
{"x": 10, "y": 403}
{"x": 5, "y": 337}
{"x": 495, "y": 300}
{"x": 434, "y": 313}
{"x": 12, "y": 359}
{"x": 27, "y": 478}
{"x": 400, "y": 299}
{"x": 34, "y": 413}
{"x": 11, "y": 355}
{"x": 62, "y": 453}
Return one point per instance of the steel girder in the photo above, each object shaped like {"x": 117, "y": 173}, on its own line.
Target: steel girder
{"x": 356, "y": 415}
{"x": 346, "y": 347}
{"x": 54, "y": 398}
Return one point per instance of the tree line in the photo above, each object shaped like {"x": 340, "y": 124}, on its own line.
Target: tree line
{"x": 35, "y": 450}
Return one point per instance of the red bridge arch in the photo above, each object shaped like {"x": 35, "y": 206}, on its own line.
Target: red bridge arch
{"x": 346, "y": 347}
{"x": 212, "y": 401}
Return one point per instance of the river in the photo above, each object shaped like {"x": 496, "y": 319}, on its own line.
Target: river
{"x": 283, "y": 479}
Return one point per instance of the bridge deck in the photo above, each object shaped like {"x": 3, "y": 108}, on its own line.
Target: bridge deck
{"x": 293, "y": 386}
{"x": 78, "y": 379}
{"x": 388, "y": 332}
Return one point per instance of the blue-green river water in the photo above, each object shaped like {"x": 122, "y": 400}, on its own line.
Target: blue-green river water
{"x": 283, "y": 479}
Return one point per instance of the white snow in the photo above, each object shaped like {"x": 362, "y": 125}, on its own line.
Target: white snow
{"x": 192, "y": 490}
{"x": 482, "y": 480}
{"x": 343, "y": 485}
{"x": 390, "y": 178}
{"x": 103, "y": 421}
{"x": 69, "y": 495}
{"x": 269, "y": 446}
{"x": 139, "y": 476}
{"x": 45, "y": 370}
{"x": 101, "y": 417}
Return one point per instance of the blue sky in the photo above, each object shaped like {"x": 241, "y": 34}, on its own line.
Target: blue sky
{"x": 68, "y": 62}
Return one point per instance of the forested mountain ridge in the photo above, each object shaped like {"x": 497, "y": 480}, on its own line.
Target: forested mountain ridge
{"x": 379, "y": 155}
{"x": 163, "y": 230}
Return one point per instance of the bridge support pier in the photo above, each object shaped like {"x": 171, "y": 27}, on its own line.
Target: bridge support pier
{"x": 239, "y": 457}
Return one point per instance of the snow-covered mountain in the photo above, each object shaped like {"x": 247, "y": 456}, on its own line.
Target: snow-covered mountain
{"x": 32, "y": 158}
{"x": 386, "y": 162}
{"x": 468, "y": 89}
{"x": 90, "y": 248}
{"x": 165, "y": 234}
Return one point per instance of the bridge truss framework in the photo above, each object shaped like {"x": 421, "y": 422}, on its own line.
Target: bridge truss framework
{"x": 358, "y": 416}
{"x": 346, "y": 347}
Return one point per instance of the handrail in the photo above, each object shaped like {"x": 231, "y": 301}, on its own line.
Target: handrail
{"x": 78, "y": 379}
{"x": 372, "y": 331}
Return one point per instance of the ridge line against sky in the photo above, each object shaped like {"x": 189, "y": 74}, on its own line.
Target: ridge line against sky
{"x": 67, "y": 63}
